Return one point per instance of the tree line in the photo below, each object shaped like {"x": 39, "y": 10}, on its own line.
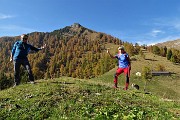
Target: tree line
{"x": 171, "y": 54}
{"x": 73, "y": 52}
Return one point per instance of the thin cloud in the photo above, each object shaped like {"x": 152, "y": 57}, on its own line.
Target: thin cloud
{"x": 165, "y": 29}
{"x": 14, "y": 27}
{"x": 155, "y": 33}
{"x": 170, "y": 23}
{"x": 140, "y": 42}
{"x": 169, "y": 38}
{"x": 158, "y": 30}
{"x": 165, "y": 39}
{"x": 13, "y": 30}
{"x": 176, "y": 25}
{"x": 3, "y": 16}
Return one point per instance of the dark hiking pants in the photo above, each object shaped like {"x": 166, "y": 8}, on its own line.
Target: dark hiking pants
{"x": 26, "y": 65}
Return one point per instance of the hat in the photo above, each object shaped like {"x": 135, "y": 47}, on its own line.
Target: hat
{"x": 121, "y": 48}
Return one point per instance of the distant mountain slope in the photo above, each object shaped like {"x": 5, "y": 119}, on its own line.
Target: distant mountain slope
{"x": 170, "y": 44}
{"x": 73, "y": 51}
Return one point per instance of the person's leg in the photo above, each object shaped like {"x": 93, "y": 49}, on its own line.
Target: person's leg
{"x": 28, "y": 68}
{"x": 118, "y": 72}
{"x": 17, "y": 65}
{"x": 127, "y": 75}
{"x": 127, "y": 82}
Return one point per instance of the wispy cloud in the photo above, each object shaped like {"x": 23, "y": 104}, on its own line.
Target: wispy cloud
{"x": 175, "y": 24}
{"x": 13, "y": 30}
{"x": 160, "y": 30}
{"x": 169, "y": 38}
{"x": 170, "y": 23}
{"x": 155, "y": 32}
{"x": 3, "y": 16}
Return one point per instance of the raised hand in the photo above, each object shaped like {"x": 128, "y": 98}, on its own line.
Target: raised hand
{"x": 107, "y": 50}
{"x": 42, "y": 47}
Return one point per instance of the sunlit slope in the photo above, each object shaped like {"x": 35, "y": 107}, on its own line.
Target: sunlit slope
{"x": 167, "y": 87}
{"x": 68, "y": 98}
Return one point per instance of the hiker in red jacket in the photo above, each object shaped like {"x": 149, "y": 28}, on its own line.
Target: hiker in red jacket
{"x": 123, "y": 66}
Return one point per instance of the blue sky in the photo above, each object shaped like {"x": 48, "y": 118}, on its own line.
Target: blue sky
{"x": 135, "y": 21}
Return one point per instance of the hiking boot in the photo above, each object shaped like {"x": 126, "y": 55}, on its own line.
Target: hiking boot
{"x": 14, "y": 85}
{"x": 125, "y": 88}
{"x": 115, "y": 85}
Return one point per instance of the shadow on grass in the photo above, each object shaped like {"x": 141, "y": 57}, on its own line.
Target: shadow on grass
{"x": 56, "y": 82}
{"x": 150, "y": 59}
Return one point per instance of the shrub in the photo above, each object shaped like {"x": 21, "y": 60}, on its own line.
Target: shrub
{"x": 160, "y": 67}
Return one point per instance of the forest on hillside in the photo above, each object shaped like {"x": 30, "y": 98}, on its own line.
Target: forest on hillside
{"x": 171, "y": 54}
{"x": 73, "y": 51}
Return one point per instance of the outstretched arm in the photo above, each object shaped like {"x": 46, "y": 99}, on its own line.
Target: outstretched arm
{"x": 110, "y": 54}
{"x": 37, "y": 49}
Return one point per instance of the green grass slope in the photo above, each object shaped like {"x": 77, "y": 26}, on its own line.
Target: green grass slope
{"x": 77, "y": 99}
{"x": 80, "y": 99}
{"x": 166, "y": 87}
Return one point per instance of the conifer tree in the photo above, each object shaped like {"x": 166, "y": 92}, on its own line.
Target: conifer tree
{"x": 169, "y": 54}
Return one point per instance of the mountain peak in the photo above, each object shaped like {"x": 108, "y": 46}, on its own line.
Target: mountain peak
{"x": 76, "y": 25}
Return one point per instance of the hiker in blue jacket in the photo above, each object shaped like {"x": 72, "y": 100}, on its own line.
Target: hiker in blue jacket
{"x": 19, "y": 54}
{"x": 124, "y": 66}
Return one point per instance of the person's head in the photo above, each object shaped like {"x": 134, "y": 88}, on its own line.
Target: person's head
{"x": 121, "y": 49}
{"x": 24, "y": 37}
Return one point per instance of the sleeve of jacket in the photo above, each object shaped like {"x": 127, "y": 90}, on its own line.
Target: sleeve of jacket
{"x": 34, "y": 48}
{"x": 14, "y": 48}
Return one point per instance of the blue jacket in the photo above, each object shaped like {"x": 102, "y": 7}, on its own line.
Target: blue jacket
{"x": 122, "y": 60}
{"x": 20, "y": 50}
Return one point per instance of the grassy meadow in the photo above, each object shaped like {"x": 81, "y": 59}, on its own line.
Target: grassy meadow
{"x": 67, "y": 98}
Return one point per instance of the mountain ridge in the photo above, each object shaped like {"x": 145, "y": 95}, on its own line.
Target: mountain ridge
{"x": 69, "y": 51}
{"x": 78, "y": 28}
{"x": 170, "y": 44}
